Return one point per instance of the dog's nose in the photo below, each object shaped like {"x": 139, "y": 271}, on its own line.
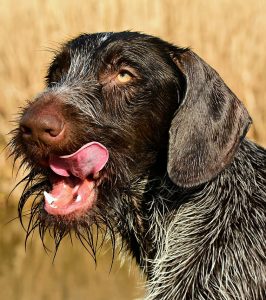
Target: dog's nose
{"x": 47, "y": 128}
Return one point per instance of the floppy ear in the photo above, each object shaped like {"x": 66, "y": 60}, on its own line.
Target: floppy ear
{"x": 208, "y": 126}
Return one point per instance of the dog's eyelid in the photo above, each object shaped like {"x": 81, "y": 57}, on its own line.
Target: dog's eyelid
{"x": 128, "y": 71}
{"x": 133, "y": 71}
{"x": 118, "y": 74}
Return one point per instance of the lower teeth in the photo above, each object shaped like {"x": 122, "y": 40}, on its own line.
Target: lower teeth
{"x": 50, "y": 199}
{"x": 78, "y": 199}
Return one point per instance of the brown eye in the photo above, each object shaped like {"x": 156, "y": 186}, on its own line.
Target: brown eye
{"x": 124, "y": 76}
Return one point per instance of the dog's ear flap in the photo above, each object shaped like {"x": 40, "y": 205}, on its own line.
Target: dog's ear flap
{"x": 208, "y": 126}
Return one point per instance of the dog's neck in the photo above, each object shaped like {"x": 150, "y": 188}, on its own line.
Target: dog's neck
{"x": 171, "y": 215}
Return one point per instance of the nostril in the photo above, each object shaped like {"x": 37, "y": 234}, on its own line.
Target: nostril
{"x": 54, "y": 129}
{"x": 46, "y": 128}
{"x": 25, "y": 130}
{"x": 51, "y": 132}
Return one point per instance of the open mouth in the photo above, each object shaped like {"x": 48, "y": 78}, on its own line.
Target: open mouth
{"x": 74, "y": 180}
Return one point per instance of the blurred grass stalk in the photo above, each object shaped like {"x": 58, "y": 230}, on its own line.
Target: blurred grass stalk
{"x": 229, "y": 35}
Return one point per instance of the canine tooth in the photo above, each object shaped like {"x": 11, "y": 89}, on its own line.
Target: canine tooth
{"x": 50, "y": 199}
{"x": 78, "y": 198}
{"x": 76, "y": 188}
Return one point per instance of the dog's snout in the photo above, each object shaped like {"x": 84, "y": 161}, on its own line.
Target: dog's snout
{"x": 43, "y": 128}
{"x": 42, "y": 125}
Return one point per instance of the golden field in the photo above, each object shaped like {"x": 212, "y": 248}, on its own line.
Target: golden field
{"x": 229, "y": 35}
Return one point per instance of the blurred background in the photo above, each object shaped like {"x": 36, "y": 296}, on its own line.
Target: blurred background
{"x": 229, "y": 35}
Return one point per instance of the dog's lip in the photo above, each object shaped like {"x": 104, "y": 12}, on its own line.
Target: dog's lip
{"x": 74, "y": 180}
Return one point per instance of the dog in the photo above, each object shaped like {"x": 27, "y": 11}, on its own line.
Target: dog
{"x": 143, "y": 141}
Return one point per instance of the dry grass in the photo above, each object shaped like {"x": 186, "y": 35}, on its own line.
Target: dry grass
{"x": 230, "y": 35}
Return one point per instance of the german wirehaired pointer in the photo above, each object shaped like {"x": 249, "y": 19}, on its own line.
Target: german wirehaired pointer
{"x": 142, "y": 140}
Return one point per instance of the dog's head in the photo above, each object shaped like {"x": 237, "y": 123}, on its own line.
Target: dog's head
{"x": 120, "y": 108}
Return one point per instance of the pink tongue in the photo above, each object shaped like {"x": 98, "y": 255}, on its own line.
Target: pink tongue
{"x": 89, "y": 159}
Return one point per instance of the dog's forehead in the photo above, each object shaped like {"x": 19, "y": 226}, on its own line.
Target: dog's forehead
{"x": 89, "y": 44}
{"x": 97, "y": 39}
{"x": 89, "y": 54}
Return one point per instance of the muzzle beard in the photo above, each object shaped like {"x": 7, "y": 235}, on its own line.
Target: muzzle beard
{"x": 116, "y": 194}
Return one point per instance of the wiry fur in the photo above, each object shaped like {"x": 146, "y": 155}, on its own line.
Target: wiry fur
{"x": 204, "y": 239}
{"x": 208, "y": 247}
